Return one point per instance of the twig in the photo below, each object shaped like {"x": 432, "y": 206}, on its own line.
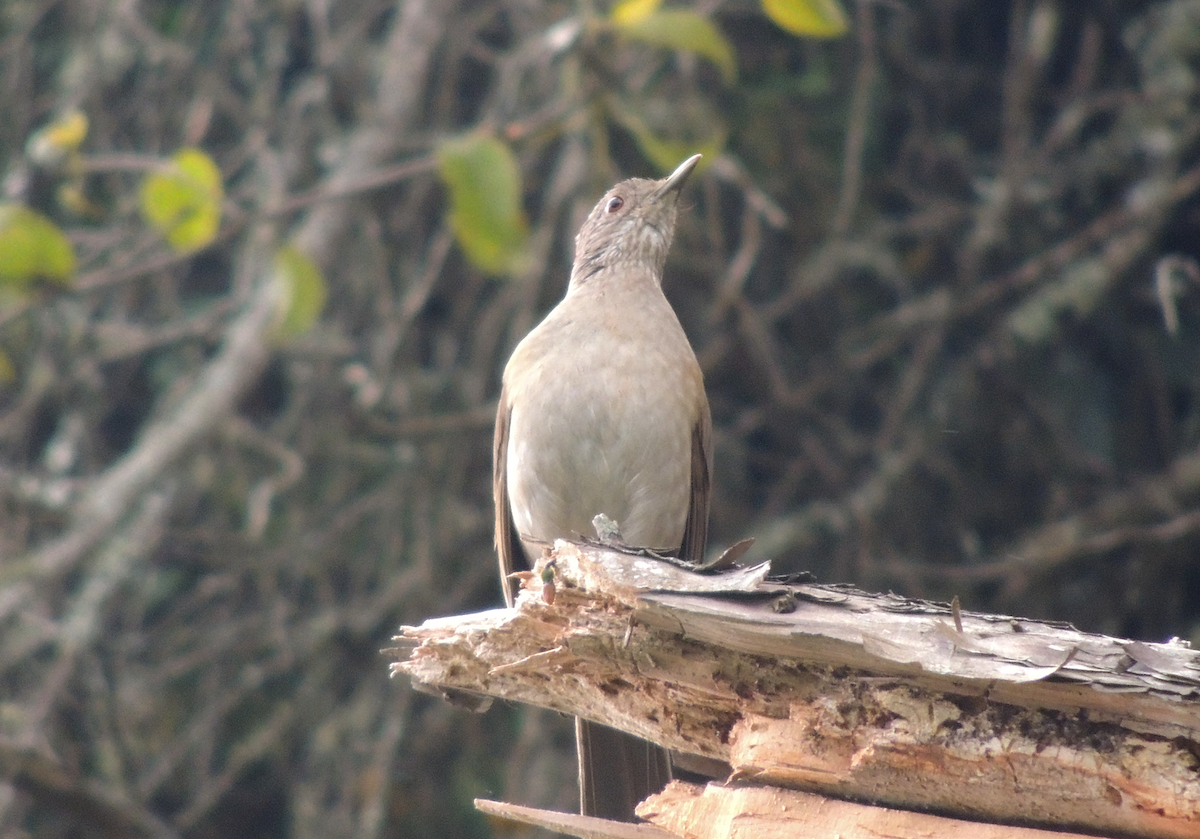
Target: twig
{"x": 79, "y": 627}
{"x": 89, "y": 803}
{"x": 856, "y": 129}
{"x": 242, "y": 357}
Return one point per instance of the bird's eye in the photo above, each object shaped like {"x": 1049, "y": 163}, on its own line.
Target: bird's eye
{"x": 615, "y": 203}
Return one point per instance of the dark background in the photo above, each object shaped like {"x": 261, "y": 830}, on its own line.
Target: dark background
{"x": 941, "y": 281}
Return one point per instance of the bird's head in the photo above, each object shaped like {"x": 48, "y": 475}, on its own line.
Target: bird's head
{"x": 631, "y": 225}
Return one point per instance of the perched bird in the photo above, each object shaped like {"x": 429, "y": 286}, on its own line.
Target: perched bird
{"x": 603, "y": 411}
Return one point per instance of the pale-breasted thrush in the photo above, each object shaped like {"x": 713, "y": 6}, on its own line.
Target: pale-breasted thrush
{"x": 603, "y": 410}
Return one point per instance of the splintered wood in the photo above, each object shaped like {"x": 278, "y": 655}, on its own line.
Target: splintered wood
{"x": 835, "y": 691}
{"x": 755, "y": 812}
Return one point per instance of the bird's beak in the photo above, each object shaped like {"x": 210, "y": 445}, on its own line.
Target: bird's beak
{"x": 675, "y": 181}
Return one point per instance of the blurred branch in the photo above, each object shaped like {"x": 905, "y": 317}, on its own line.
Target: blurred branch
{"x": 86, "y": 802}
{"x": 291, "y": 468}
{"x": 116, "y": 563}
{"x": 1151, "y": 511}
{"x": 107, "y": 501}
{"x": 406, "y": 55}
{"x": 350, "y": 186}
{"x": 859, "y": 116}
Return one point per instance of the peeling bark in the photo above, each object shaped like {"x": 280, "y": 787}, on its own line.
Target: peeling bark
{"x": 847, "y": 694}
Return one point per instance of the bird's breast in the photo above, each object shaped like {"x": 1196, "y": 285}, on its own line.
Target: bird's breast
{"x": 602, "y": 418}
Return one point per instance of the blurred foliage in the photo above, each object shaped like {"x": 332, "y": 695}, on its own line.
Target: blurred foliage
{"x": 927, "y": 269}
{"x": 664, "y": 151}
{"x": 32, "y": 247}
{"x": 677, "y": 29}
{"x": 303, "y": 289}
{"x": 183, "y": 201}
{"x": 815, "y": 18}
{"x": 59, "y": 140}
{"x": 485, "y": 201}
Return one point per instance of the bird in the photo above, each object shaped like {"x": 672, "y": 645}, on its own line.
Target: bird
{"x": 603, "y": 411}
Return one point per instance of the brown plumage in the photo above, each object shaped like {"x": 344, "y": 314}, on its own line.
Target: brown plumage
{"x": 603, "y": 410}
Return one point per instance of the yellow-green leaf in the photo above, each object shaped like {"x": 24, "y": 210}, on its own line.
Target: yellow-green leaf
{"x": 811, "y": 18}
{"x": 31, "y": 248}
{"x": 53, "y": 143}
{"x": 632, "y": 11}
{"x": 183, "y": 200}
{"x": 302, "y": 291}
{"x": 666, "y": 152}
{"x": 484, "y": 181}
{"x": 680, "y": 29}
{"x": 8, "y": 371}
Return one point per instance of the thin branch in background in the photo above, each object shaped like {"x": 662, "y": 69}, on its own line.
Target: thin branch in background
{"x": 730, "y": 285}
{"x": 85, "y": 802}
{"x": 291, "y": 468}
{"x": 384, "y": 176}
{"x": 859, "y": 118}
{"x": 117, "y": 562}
{"x": 241, "y": 359}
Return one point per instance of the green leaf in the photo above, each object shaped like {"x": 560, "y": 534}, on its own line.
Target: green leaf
{"x": 667, "y": 152}
{"x": 810, "y": 18}
{"x": 183, "y": 200}
{"x": 31, "y": 248}
{"x": 484, "y": 181}
{"x": 632, "y": 11}
{"x": 303, "y": 291}
{"x": 680, "y": 29}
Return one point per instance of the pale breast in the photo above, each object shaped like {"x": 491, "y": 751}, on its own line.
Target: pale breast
{"x": 602, "y": 422}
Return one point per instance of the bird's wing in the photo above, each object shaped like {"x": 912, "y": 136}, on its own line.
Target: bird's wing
{"x": 695, "y": 529}
{"x": 508, "y": 544}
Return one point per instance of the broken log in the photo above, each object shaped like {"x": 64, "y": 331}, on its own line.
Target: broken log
{"x": 843, "y": 693}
